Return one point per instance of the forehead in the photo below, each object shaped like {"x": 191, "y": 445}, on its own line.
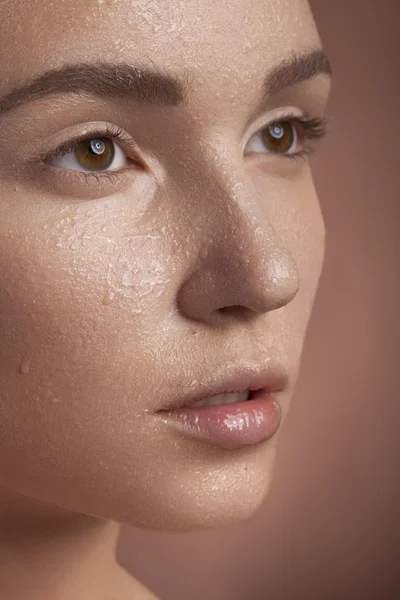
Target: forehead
{"x": 212, "y": 40}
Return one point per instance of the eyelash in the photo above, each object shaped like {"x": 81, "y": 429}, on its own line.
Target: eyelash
{"x": 116, "y": 134}
{"x": 311, "y": 129}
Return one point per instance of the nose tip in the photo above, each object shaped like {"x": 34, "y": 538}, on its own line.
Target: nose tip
{"x": 239, "y": 284}
{"x": 275, "y": 281}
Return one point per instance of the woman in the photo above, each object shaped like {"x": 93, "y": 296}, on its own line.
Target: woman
{"x": 161, "y": 245}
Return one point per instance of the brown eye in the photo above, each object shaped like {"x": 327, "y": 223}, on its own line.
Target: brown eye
{"x": 95, "y": 154}
{"x": 280, "y": 138}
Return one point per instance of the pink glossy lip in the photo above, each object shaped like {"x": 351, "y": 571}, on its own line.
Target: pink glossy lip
{"x": 232, "y": 425}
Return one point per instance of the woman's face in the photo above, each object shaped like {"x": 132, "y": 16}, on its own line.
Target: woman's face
{"x": 171, "y": 254}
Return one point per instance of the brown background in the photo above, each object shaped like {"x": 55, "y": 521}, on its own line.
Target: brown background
{"x": 329, "y": 526}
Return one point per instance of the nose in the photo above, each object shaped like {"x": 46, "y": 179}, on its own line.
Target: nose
{"x": 243, "y": 267}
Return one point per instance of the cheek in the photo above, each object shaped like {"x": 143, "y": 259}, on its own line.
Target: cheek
{"x": 78, "y": 321}
{"x": 73, "y": 300}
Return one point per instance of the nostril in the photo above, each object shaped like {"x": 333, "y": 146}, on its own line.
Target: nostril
{"x": 236, "y": 311}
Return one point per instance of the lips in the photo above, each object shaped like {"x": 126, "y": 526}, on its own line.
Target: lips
{"x": 222, "y": 399}
{"x": 240, "y": 409}
{"x": 270, "y": 377}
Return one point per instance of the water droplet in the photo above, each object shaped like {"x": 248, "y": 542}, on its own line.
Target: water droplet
{"x": 48, "y": 392}
{"x": 63, "y": 328}
{"x": 204, "y": 253}
{"x": 80, "y": 342}
{"x": 47, "y": 275}
{"x": 25, "y": 365}
{"x": 108, "y": 297}
{"x": 129, "y": 278}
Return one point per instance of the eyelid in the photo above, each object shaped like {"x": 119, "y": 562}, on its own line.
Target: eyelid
{"x": 85, "y": 185}
{"x": 106, "y": 130}
{"x": 311, "y": 128}
{"x": 280, "y": 115}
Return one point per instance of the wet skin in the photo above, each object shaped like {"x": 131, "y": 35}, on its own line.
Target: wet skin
{"x": 200, "y": 252}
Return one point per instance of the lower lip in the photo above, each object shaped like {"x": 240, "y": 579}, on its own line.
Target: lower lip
{"x": 230, "y": 425}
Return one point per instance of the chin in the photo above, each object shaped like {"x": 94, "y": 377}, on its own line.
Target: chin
{"x": 226, "y": 492}
{"x": 225, "y": 512}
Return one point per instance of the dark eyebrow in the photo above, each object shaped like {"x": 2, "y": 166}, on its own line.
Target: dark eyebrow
{"x": 104, "y": 80}
{"x": 146, "y": 84}
{"x": 297, "y": 69}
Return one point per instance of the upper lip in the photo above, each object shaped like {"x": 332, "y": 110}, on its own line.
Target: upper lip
{"x": 270, "y": 376}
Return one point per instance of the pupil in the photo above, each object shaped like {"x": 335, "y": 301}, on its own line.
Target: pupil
{"x": 277, "y": 131}
{"x": 97, "y": 146}
{"x": 96, "y": 154}
{"x": 279, "y": 137}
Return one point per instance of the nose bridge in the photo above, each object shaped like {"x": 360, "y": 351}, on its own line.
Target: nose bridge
{"x": 245, "y": 229}
{"x": 229, "y": 196}
{"x": 250, "y": 243}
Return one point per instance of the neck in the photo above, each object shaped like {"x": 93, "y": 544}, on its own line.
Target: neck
{"x": 47, "y": 553}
